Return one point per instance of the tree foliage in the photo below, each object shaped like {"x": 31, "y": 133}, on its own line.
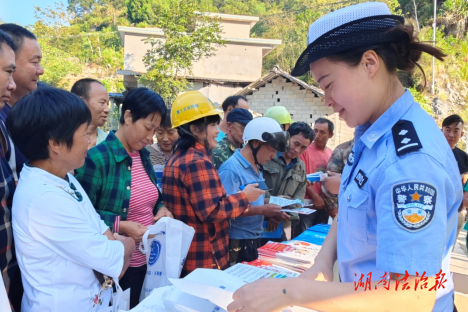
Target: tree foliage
{"x": 188, "y": 37}
{"x": 78, "y": 43}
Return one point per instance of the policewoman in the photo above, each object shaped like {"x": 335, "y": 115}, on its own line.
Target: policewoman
{"x": 399, "y": 190}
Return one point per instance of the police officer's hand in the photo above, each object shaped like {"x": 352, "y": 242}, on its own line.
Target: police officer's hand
{"x": 253, "y": 192}
{"x": 263, "y": 295}
{"x": 320, "y": 271}
{"x": 271, "y": 210}
{"x": 332, "y": 182}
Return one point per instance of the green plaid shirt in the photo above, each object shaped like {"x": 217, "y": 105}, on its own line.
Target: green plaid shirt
{"x": 107, "y": 179}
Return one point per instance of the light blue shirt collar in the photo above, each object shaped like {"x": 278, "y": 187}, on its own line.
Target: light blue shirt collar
{"x": 244, "y": 162}
{"x": 371, "y": 133}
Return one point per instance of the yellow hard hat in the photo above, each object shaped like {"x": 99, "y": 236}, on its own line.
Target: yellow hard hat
{"x": 191, "y": 106}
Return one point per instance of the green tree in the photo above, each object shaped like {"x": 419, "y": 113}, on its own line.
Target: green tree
{"x": 189, "y": 37}
{"x": 143, "y": 11}
{"x": 290, "y": 20}
{"x": 71, "y": 45}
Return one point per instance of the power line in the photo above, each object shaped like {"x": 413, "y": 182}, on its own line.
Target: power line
{"x": 81, "y": 35}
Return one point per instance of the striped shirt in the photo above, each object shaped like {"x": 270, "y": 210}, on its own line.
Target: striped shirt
{"x": 143, "y": 198}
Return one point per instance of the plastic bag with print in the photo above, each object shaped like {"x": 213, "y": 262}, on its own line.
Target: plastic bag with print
{"x": 166, "y": 245}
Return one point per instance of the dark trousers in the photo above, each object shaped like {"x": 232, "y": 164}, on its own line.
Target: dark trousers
{"x": 243, "y": 250}
{"x": 16, "y": 291}
{"x": 133, "y": 279}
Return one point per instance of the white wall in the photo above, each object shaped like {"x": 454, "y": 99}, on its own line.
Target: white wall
{"x": 303, "y": 105}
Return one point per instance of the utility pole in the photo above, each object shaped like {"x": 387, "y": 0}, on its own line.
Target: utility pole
{"x": 416, "y": 15}
{"x": 433, "y": 43}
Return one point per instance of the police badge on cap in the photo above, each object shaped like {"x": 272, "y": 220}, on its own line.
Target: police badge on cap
{"x": 414, "y": 205}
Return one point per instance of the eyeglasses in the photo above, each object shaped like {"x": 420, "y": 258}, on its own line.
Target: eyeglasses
{"x": 239, "y": 125}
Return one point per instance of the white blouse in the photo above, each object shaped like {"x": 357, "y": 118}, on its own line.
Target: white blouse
{"x": 59, "y": 241}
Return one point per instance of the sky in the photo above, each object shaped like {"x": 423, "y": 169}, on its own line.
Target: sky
{"x": 22, "y": 11}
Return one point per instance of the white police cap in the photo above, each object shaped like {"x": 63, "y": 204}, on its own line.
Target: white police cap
{"x": 345, "y": 29}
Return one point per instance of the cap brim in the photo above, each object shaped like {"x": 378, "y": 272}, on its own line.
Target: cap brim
{"x": 355, "y": 34}
{"x": 242, "y": 121}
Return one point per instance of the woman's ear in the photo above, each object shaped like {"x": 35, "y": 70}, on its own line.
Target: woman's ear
{"x": 128, "y": 117}
{"x": 55, "y": 147}
{"x": 371, "y": 61}
{"x": 194, "y": 129}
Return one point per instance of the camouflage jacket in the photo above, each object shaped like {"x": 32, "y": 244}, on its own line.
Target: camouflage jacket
{"x": 222, "y": 152}
{"x": 336, "y": 164}
{"x": 290, "y": 182}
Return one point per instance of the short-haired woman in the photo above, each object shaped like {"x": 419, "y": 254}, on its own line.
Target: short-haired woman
{"x": 400, "y": 189}
{"x": 59, "y": 237}
{"x": 120, "y": 180}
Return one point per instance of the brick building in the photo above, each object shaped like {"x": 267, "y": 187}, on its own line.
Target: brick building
{"x": 303, "y": 101}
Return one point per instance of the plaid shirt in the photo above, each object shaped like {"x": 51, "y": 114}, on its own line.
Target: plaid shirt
{"x": 192, "y": 191}
{"x": 8, "y": 262}
{"x": 107, "y": 179}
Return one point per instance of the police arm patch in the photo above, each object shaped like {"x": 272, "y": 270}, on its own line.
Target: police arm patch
{"x": 414, "y": 204}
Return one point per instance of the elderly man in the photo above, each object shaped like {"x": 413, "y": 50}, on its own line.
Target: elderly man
{"x": 336, "y": 164}
{"x": 236, "y": 121}
{"x": 95, "y": 95}
{"x": 28, "y": 58}
{"x": 285, "y": 174}
{"x": 230, "y": 103}
{"x": 8, "y": 264}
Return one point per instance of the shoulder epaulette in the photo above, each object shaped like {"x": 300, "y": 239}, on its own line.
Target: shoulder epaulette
{"x": 405, "y": 137}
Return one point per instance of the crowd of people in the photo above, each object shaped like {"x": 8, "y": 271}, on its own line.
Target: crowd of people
{"x": 76, "y": 200}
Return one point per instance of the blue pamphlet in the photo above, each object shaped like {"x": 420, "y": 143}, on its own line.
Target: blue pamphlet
{"x": 275, "y": 234}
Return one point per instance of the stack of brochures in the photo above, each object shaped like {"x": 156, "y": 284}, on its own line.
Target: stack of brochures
{"x": 292, "y": 255}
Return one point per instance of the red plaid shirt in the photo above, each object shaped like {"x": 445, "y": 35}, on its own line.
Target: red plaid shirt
{"x": 193, "y": 192}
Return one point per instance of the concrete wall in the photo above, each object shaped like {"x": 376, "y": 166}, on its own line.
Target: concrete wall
{"x": 216, "y": 93}
{"x": 234, "y": 62}
{"x": 238, "y": 62}
{"x": 134, "y": 51}
{"x": 303, "y": 105}
{"x": 235, "y": 29}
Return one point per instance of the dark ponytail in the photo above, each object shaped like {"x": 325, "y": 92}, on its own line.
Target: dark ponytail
{"x": 402, "y": 52}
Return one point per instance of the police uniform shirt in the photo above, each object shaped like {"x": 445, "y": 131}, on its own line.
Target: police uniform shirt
{"x": 399, "y": 199}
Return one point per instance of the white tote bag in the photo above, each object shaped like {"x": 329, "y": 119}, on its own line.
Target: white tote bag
{"x": 120, "y": 300}
{"x": 165, "y": 252}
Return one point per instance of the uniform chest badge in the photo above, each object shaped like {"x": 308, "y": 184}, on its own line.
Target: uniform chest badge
{"x": 351, "y": 158}
{"x": 414, "y": 205}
